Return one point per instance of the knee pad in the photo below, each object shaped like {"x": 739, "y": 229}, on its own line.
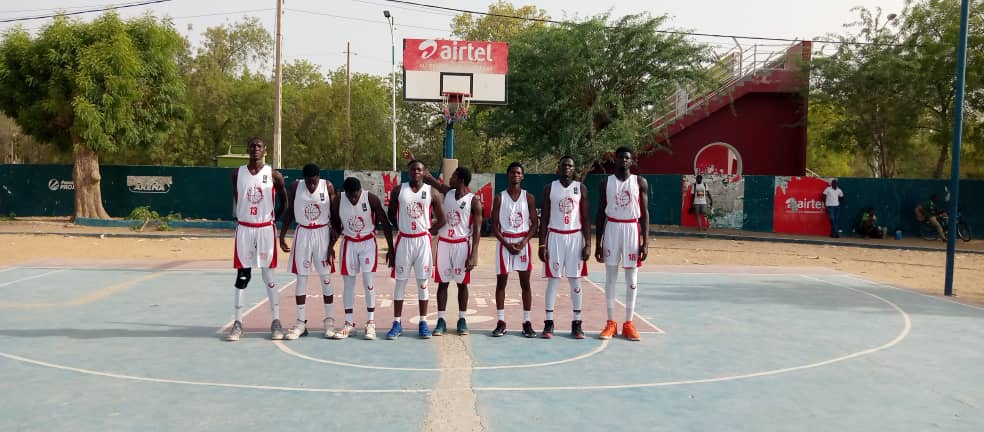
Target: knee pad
{"x": 242, "y": 277}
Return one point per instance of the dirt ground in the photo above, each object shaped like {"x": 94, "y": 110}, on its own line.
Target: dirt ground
{"x": 917, "y": 270}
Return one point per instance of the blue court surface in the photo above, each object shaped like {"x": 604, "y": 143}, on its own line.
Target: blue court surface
{"x": 741, "y": 349}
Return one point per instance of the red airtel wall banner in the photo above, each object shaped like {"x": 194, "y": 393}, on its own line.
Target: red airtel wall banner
{"x": 798, "y": 207}
{"x": 444, "y": 55}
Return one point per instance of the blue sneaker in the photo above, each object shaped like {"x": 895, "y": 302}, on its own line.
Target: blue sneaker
{"x": 425, "y": 333}
{"x": 395, "y": 331}
{"x": 441, "y": 327}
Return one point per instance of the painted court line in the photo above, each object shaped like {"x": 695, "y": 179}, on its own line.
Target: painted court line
{"x": 30, "y": 277}
{"x": 634, "y": 313}
{"x": 205, "y": 383}
{"x": 907, "y": 290}
{"x": 98, "y": 295}
{"x": 907, "y": 326}
{"x": 265, "y": 300}
{"x": 283, "y": 347}
{"x": 6, "y": 269}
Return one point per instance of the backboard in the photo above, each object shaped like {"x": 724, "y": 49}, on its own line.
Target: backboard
{"x": 433, "y": 67}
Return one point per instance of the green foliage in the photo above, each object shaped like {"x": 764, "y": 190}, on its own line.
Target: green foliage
{"x": 497, "y": 26}
{"x": 8, "y": 217}
{"x": 107, "y": 84}
{"x": 585, "y": 88}
{"x": 146, "y": 217}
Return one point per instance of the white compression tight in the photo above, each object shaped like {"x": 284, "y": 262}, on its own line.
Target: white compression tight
{"x": 551, "y": 296}
{"x": 631, "y": 280}
{"x": 401, "y": 286}
{"x": 272, "y": 294}
{"x": 348, "y": 293}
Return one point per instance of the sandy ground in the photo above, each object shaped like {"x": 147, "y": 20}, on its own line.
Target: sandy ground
{"x": 917, "y": 270}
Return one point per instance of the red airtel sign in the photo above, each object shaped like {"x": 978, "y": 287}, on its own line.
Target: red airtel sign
{"x": 454, "y": 55}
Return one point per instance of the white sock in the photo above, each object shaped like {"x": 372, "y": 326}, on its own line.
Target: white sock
{"x": 526, "y": 315}
{"x": 611, "y": 275}
{"x": 300, "y": 289}
{"x": 550, "y": 299}
{"x": 239, "y": 304}
{"x": 442, "y": 314}
{"x": 575, "y": 283}
{"x": 501, "y": 314}
{"x": 348, "y": 317}
{"x": 631, "y": 283}
{"x": 272, "y": 293}
{"x": 422, "y": 293}
{"x": 398, "y": 319}
{"x": 461, "y": 314}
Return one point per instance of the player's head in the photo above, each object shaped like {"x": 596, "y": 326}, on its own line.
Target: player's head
{"x": 256, "y": 148}
{"x": 833, "y": 183}
{"x": 699, "y": 179}
{"x": 415, "y": 170}
{"x": 352, "y": 187}
{"x": 565, "y": 167}
{"x": 312, "y": 175}
{"x": 623, "y": 157}
{"x": 515, "y": 172}
{"x": 461, "y": 177}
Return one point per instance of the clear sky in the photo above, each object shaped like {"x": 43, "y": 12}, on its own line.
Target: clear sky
{"x": 317, "y": 30}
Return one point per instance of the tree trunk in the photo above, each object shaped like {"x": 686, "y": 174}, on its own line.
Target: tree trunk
{"x": 85, "y": 175}
{"x": 941, "y": 161}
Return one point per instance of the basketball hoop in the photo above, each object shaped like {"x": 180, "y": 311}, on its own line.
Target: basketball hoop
{"x": 455, "y": 105}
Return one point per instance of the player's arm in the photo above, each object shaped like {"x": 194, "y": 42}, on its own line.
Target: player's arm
{"x": 476, "y": 228}
{"x": 432, "y": 182}
{"x": 380, "y": 216}
{"x": 332, "y": 193}
{"x": 534, "y": 221}
{"x": 585, "y": 223}
{"x": 496, "y": 223}
{"x": 394, "y": 205}
{"x": 281, "y": 190}
{"x": 643, "y": 217}
{"x": 600, "y": 221}
{"x": 288, "y": 216}
{"x": 235, "y": 192}
{"x": 336, "y": 224}
{"x": 437, "y": 210}
{"x": 545, "y": 216}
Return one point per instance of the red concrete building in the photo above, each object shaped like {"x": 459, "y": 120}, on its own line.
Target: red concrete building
{"x": 754, "y": 124}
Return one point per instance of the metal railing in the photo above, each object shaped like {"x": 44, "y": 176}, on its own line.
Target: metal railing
{"x": 731, "y": 67}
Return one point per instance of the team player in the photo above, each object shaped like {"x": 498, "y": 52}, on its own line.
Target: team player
{"x": 411, "y": 207}
{"x": 622, "y": 224}
{"x": 565, "y": 243}
{"x": 254, "y": 189}
{"x": 355, "y": 215}
{"x": 309, "y": 203}
{"x": 514, "y": 223}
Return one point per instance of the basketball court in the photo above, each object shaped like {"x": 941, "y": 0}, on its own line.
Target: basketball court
{"x": 123, "y": 345}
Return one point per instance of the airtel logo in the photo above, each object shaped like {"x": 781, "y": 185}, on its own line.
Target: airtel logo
{"x": 455, "y": 52}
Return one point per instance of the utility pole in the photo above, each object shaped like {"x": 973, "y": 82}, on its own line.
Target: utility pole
{"x": 348, "y": 100}
{"x": 278, "y": 87}
{"x": 391, "y": 20}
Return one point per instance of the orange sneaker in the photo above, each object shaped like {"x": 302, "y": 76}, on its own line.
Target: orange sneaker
{"x": 611, "y": 328}
{"x": 630, "y": 332}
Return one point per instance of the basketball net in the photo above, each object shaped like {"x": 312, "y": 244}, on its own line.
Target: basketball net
{"x": 455, "y": 106}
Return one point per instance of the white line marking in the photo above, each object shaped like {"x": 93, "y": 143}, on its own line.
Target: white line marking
{"x": 30, "y": 277}
{"x": 223, "y": 329}
{"x": 206, "y": 383}
{"x": 907, "y": 326}
{"x": 634, "y": 313}
{"x": 283, "y": 347}
{"x": 6, "y": 269}
{"x": 910, "y": 291}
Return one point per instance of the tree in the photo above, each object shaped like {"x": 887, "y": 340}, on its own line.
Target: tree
{"x": 868, "y": 84}
{"x": 930, "y": 30}
{"x": 503, "y": 22}
{"x": 93, "y": 88}
{"x": 584, "y": 88}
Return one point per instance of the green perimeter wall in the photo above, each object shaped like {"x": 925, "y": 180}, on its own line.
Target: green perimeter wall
{"x": 204, "y": 193}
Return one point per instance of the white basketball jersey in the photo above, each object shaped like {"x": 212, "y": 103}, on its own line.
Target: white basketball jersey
{"x": 414, "y": 213}
{"x": 312, "y": 209}
{"x": 700, "y": 193}
{"x": 255, "y": 201}
{"x": 458, "y": 212}
{"x": 566, "y": 202}
{"x": 514, "y": 216}
{"x": 623, "y": 198}
{"x": 356, "y": 218}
